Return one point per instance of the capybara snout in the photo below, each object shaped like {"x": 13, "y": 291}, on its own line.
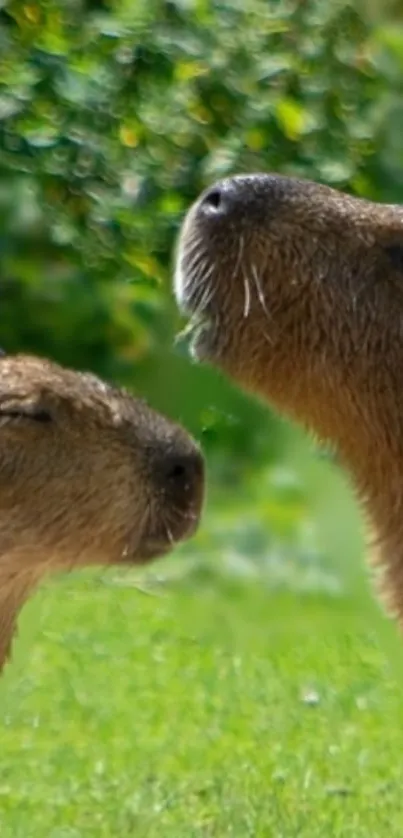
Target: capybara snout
{"x": 179, "y": 478}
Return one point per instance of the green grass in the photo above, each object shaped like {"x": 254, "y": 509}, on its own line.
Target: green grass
{"x": 216, "y": 707}
{"x": 223, "y": 711}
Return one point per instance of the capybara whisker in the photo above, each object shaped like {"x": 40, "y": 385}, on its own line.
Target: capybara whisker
{"x": 246, "y": 308}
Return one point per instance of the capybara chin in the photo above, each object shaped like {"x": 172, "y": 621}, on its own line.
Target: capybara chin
{"x": 296, "y": 292}
{"x": 89, "y": 475}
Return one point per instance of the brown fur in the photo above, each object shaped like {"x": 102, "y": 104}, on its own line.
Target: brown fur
{"x": 297, "y": 293}
{"x": 88, "y": 475}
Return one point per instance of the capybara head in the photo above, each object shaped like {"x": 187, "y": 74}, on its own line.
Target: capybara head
{"x": 89, "y": 474}
{"x": 296, "y": 291}
{"x": 294, "y": 288}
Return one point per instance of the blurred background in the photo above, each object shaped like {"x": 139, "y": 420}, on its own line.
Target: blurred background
{"x": 114, "y": 115}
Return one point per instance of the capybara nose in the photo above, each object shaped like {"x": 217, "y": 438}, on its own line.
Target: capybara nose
{"x": 241, "y": 197}
{"x": 183, "y": 474}
{"x": 218, "y": 200}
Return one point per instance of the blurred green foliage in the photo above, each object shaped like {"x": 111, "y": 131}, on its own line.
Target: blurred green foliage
{"x": 114, "y": 114}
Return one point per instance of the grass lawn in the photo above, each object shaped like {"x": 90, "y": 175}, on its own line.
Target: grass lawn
{"x": 212, "y": 708}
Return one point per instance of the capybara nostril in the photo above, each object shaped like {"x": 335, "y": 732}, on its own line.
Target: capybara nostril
{"x": 180, "y": 479}
{"x": 183, "y": 472}
{"x": 218, "y": 200}
{"x": 213, "y": 199}
{"x": 233, "y": 197}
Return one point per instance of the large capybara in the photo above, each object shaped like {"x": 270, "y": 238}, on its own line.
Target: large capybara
{"x": 296, "y": 292}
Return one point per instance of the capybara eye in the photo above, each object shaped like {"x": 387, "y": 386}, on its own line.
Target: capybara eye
{"x": 43, "y": 416}
{"x": 39, "y": 415}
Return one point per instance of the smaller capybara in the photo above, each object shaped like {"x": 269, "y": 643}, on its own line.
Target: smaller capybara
{"x": 89, "y": 475}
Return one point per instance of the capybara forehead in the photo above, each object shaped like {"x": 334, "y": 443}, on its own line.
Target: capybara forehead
{"x": 31, "y": 378}
{"x": 35, "y": 380}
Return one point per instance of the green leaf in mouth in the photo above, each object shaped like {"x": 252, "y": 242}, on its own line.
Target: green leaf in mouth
{"x": 187, "y": 336}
